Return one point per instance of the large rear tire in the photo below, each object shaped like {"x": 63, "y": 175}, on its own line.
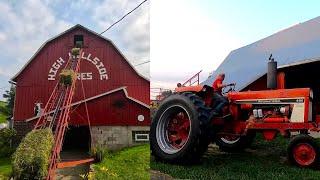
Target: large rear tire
{"x": 179, "y": 130}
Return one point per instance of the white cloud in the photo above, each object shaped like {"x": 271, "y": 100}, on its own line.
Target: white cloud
{"x": 184, "y": 41}
{"x": 27, "y": 25}
{"x": 3, "y": 37}
{"x": 131, "y": 34}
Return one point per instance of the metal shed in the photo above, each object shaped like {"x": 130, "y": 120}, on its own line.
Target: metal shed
{"x": 295, "y": 45}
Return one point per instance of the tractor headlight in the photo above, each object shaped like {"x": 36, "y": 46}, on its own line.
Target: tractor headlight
{"x": 283, "y": 110}
{"x": 311, "y": 94}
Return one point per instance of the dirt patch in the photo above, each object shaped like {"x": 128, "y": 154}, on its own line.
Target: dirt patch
{"x": 157, "y": 175}
{"x": 73, "y": 173}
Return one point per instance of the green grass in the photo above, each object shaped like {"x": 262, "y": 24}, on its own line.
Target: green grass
{"x": 130, "y": 163}
{"x": 5, "y": 168}
{"x": 3, "y": 115}
{"x": 266, "y": 160}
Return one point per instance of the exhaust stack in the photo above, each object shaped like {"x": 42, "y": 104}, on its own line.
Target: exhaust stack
{"x": 272, "y": 73}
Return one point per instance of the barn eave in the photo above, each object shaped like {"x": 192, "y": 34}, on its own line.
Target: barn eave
{"x": 124, "y": 89}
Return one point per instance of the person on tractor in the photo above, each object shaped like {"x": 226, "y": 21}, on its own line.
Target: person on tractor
{"x": 218, "y": 100}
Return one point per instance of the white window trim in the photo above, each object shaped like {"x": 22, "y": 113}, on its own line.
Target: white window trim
{"x": 141, "y": 140}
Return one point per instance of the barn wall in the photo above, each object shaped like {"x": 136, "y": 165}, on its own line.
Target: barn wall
{"x": 259, "y": 84}
{"x": 116, "y": 137}
{"x": 33, "y": 85}
{"x": 112, "y": 109}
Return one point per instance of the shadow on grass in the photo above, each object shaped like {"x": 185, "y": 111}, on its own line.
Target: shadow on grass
{"x": 265, "y": 160}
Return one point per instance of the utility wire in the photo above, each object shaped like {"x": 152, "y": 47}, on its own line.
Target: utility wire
{"x": 123, "y": 17}
{"x": 142, "y": 63}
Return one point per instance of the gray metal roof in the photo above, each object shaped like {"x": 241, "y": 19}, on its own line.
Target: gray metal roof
{"x": 297, "y": 44}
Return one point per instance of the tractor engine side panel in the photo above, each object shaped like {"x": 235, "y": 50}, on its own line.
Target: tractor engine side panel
{"x": 283, "y": 105}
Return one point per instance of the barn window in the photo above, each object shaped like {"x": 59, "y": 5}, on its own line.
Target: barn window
{"x": 78, "y": 40}
{"x": 140, "y": 136}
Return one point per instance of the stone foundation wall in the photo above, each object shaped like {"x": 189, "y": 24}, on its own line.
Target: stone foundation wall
{"x": 110, "y": 137}
{"x": 116, "y": 137}
{"x": 22, "y": 129}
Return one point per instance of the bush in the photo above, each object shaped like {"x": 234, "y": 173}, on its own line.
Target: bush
{"x": 75, "y": 51}
{"x": 6, "y": 136}
{"x": 31, "y": 159}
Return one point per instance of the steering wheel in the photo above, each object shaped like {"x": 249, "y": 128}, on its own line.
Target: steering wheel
{"x": 232, "y": 88}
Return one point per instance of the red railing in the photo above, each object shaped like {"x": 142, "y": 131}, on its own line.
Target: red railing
{"x": 195, "y": 79}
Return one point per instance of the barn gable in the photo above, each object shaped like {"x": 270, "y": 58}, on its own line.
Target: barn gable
{"x": 297, "y": 44}
{"x": 14, "y": 78}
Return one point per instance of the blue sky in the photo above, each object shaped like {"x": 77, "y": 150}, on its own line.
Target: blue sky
{"x": 255, "y": 19}
{"x": 202, "y": 33}
{"x": 26, "y": 25}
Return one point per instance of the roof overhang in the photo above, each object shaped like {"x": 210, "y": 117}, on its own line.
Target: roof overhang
{"x": 297, "y": 63}
{"x": 124, "y": 89}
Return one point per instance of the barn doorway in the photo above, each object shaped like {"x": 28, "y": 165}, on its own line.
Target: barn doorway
{"x": 77, "y": 138}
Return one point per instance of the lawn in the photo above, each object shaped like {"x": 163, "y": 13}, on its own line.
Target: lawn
{"x": 3, "y": 116}
{"x": 5, "y": 168}
{"x": 265, "y": 160}
{"x": 129, "y": 163}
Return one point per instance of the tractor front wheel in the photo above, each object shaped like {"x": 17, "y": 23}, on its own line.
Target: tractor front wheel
{"x": 230, "y": 143}
{"x": 303, "y": 151}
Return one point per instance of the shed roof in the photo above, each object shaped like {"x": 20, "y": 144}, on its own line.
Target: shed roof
{"x": 68, "y": 30}
{"x": 294, "y": 45}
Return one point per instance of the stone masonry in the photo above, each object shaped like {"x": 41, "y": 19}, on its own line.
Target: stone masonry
{"x": 115, "y": 137}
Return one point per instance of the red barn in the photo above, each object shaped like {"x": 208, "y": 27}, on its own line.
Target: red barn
{"x": 116, "y": 94}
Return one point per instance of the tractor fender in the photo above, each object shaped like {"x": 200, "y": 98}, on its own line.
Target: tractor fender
{"x": 194, "y": 89}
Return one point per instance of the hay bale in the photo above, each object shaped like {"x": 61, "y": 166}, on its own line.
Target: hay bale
{"x": 32, "y": 157}
{"x": 75, "y": 51}
{"x": 67, "y": 76}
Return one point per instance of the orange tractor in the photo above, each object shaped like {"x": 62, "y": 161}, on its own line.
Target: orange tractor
{"x": 183, "y": 125}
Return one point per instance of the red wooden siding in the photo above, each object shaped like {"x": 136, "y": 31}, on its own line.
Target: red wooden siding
{"x": 33, "y": 85}
{"x": 113, "y": 109}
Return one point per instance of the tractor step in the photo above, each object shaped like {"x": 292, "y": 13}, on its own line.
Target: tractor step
{"x": 229, "y": 134}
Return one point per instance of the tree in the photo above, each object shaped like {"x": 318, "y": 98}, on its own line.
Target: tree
{"x": 10, "y": 95}
{"x": 166, "y": 93}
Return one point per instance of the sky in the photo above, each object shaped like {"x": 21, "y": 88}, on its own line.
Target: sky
{"x": 26, "y": 25}
{"x": 189, "y": 35}
{"x": 185, "y": 36}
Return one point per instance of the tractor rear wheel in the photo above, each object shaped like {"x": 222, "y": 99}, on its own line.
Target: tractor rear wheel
{"x": 303, "y": 151}
{"x": 179, "y": 130}
{"x": 229, "y": 143}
